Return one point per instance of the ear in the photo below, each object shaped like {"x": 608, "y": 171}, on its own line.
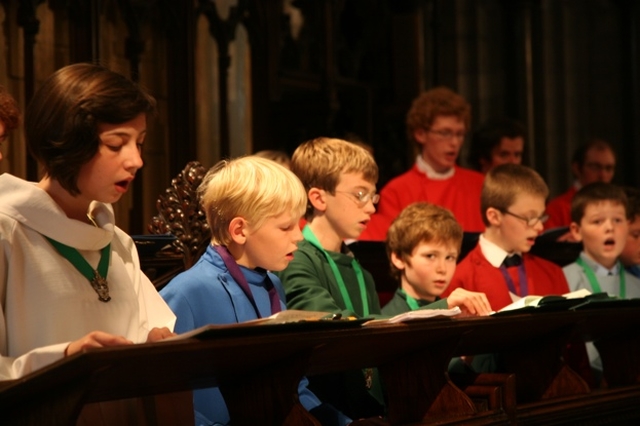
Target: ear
{"x": 238, "y": 229}
{"x": 494, "y": 216}
{"x": 397, "y": 262}
{"x": 317, "y": 198}
{"x": 420, "y": 135}
{"x": 574, "y": 229}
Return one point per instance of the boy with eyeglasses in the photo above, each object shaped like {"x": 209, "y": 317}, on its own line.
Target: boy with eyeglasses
{"x": 437, "y": 124}
{"x": 513, "y": 205}
{"x": 340, "y": 180}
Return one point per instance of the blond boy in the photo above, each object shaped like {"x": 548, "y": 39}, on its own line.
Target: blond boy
{"x": 340, "y": 180}
{"x": 423, "y": 244}
{"x": 513, "y": 206}
{"x": 599, "y": 219}
{"x": 253, "y": 206}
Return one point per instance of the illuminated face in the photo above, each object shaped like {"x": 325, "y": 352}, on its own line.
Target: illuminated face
{"x": 521, "y": 223}
{"x": 346, "y": 213}
{"x": 429, "y": 269}
{"x": 271, "y": 246}
{"x": 508, "y": 151}
{"x": 441, "y": 143}
{"x": 603, "y": 231}
{"x": 108, "y": 175}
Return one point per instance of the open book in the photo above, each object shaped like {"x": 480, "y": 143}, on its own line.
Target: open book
{"x": 535, "y": 301}
{"x": 290, "y": 316}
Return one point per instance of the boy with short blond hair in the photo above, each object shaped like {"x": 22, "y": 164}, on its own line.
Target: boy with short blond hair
{"x": 423, "y": 244}
{"x": 630, "y": 256}
{"x": 599, "y": 219}
{"x": 340, "y": 180}
{"x": 253, "y": 206}
{"x": 513, "y": 205}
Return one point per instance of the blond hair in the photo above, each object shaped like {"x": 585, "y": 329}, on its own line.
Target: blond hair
{"x": 503, "y": 183}
{"x": 320, "y": 162}
{"x": 417, "y": 223}
{"x": 250, "y": 187}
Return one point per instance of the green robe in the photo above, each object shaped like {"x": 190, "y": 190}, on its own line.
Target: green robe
{"x": 398, "y": 304}
{"x": 310, "y": 285}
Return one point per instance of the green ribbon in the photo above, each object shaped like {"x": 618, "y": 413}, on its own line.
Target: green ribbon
{"x": 593, "y": 280}
{"x": 308, "y": 235}
{"x": 97, "y": 277}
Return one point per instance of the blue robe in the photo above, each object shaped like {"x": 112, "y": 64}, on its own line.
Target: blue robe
{"x": 207, "y": 294}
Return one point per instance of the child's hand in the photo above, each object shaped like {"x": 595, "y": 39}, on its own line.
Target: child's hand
{"x": 96, "y": 339}
{"x": 470, "y": 302}
{"x": 158, "y": 334}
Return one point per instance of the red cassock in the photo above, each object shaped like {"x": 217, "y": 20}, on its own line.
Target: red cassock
{"x": 460, "y": 194}
{"x": 475, "y": 273}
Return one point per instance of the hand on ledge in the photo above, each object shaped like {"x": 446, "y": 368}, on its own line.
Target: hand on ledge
{"x": 157, "y": 333}
{"x": 95, "y": 339}
{"x": 470, "y": 302}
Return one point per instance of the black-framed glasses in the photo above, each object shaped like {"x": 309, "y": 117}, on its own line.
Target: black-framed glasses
{"x": 529, "y": 221}
{"x": 363, "y": 197}
{"x": 447, "y": 134}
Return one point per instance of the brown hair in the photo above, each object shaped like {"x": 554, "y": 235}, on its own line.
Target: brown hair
{"x": 9, "y": 111}
{"x": 421, "y": 222}
{"x": 504, "y": 182}
{"x": 595, "y": 193}
{"x": 433, "y": 103}
{"x": 320, "y": 162}
{"x": 61, "y": 121}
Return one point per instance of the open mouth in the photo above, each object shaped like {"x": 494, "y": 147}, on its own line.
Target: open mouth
{"x": 123, "y": 185}
{"x": 609, "y": 242}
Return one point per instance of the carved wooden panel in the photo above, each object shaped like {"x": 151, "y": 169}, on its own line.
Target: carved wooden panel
{"x": 180, "y": 213}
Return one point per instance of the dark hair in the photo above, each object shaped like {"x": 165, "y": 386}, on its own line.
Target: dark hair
{"x": 9, "y": 112}
{"x": 61, "y": 121}
{"x": 597, "y": 192}
{"x": 580, "y": 154}
{"x": 489, "y": 135}
{"x": 633, "y": 197}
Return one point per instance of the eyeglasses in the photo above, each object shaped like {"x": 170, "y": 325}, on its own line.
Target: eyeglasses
{"x": 529, "y": 221}
{"x": 599, "y": 167}
{"x": 363, "y": 197}
{"x": 447, "y": 134}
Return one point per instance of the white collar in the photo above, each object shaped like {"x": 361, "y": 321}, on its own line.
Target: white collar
{"x": 425, "y": 168}
{"x": 598, "y": 269}
{"x": 495, "y": 255}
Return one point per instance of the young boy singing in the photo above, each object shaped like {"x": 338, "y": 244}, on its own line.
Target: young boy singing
{"x": 253, "y": 206}
{"x": 513, "y": 206}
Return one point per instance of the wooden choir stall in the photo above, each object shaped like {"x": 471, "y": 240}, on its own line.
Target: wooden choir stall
{"x": 259, "y": 366}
